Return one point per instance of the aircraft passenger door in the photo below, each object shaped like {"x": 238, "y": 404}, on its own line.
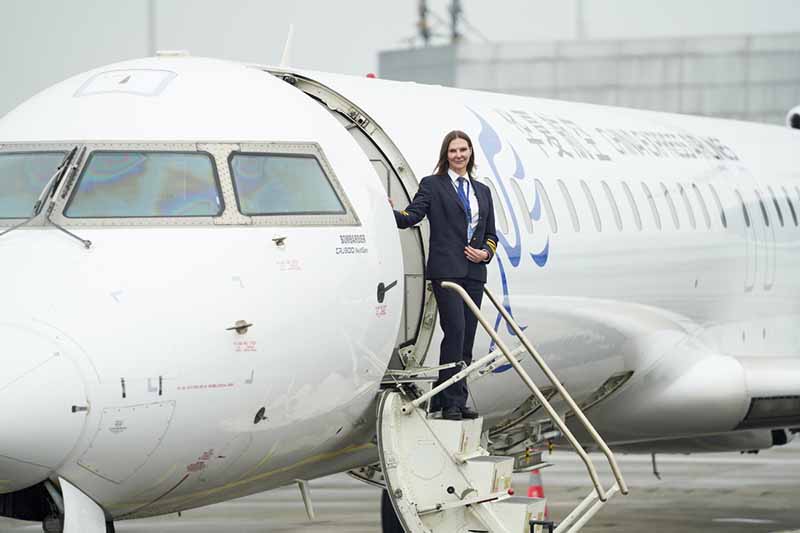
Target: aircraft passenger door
{"x": 410, "y": 240}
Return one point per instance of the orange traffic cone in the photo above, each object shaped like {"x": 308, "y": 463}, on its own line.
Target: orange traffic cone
{"x": 536, "y": 489}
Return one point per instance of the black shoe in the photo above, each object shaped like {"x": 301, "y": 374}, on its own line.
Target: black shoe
{"x": 468, "y": 413}
{"x": 452, "y": 413}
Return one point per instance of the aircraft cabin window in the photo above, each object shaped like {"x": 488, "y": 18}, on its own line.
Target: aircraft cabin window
{"x": 688, "y": 205}
{"x": 675, "y": 221}
{"x": 763, "y": 208}
{"x": 613, "y": 203}
{"x": 548, "y": 207}
{"x": 703, "y": 207}
{"x": 573, "y": 213}
{"x": 653, "y": 206}
{"x": 745, "y": 212}
{"x": 777, "y": 206}
{"x": 722, "y": 216}
{"x": 598, "y": 223}
{"x": 282, "y": 184}
{"x": 637, "y": 218}
{"x": 797, "y": 190}
{"x": 791, "y": 206}
{"x": 499, "y": 212}
{"x": 23, "y": 175}
{"x": 146, "y": 184}
{"x": 521, "y": 199}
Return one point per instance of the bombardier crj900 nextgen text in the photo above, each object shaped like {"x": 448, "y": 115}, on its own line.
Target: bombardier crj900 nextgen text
{"x": 204, "y": 294}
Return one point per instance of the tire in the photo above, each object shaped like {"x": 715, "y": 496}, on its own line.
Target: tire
{"x": 53, "y": 524}
{"x": 389, "y": 521}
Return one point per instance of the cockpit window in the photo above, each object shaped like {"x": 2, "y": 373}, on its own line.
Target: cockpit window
{"x": 282, "y": 184}
{"x": 22, "y": 178}
{"x": 147, "y": 184}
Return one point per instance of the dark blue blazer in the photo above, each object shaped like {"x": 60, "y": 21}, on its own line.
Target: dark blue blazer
{"x": 438, "y": 200}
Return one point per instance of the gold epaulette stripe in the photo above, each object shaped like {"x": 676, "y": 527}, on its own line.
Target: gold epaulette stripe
{"x": 404, "y": 213}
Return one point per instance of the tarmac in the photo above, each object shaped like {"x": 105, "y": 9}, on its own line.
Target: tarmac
{"x": 707, "y": 493}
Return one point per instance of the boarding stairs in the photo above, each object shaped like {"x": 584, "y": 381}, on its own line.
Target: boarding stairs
{"x": 438, "y": 473}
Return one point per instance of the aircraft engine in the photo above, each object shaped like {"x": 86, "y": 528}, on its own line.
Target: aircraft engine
{"x": 736, "y": 441}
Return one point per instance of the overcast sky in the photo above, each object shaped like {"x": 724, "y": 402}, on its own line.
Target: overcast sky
{"x": 44, "y": 41}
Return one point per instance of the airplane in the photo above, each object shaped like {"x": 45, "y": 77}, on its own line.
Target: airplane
{"x": 205, "y": 293}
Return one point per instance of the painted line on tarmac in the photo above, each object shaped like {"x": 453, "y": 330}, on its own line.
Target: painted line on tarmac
{"x": 690, "y": 460}
{"x": 743, "y": 521}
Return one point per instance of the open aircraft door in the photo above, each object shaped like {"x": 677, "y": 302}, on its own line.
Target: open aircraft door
{"x": 394, "y": 173}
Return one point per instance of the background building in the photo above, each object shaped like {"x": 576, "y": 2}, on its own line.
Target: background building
{"x": 749, "y": 77}
{"x": 593, "y": 50}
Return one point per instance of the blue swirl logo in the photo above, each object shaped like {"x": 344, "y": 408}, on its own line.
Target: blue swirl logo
{"x": 492, "y": 145}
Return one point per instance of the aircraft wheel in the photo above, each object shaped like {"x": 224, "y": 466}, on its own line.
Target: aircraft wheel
{"x": 53, "y": 524}
{"x": 389, "y": 521}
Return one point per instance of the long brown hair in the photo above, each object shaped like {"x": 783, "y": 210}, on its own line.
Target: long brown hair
{"x": 443, "y": 165}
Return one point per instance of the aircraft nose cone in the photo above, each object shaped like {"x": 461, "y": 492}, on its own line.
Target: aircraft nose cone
{"x": 39, "y": 384}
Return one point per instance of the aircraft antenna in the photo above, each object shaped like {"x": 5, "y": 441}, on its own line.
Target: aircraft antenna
{"x": 287, "y": 48}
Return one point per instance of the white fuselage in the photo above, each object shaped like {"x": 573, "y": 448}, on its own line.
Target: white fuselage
{"x": 134, "y": 332}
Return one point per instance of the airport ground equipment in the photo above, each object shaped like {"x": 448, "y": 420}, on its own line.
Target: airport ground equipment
{"x": 438, "y": 474}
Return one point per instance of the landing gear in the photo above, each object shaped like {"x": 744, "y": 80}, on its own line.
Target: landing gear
{"x": 81, "y": 513}
{"x": 53, "y": 524}
{"x": 389, "y": 521}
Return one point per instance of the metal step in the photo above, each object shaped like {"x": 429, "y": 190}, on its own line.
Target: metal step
{"x": 439, "y": 477}
{"x": 436, "y": 471}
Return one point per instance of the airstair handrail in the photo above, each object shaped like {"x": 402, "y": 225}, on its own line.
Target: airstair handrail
{"x": 601, "y": 494}
{"x": 584, "y": 512}
{"x": 623, "y": 488}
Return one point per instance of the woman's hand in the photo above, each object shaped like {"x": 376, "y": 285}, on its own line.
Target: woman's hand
{"x": 475, "y": 255}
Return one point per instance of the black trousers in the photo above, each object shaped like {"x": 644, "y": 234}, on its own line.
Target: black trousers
{"x": 458, "y": 324}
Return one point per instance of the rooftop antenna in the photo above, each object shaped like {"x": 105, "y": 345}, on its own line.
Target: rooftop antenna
{"x": 422, "y": 25}
{"x": 580, "y": 25}
{"x": 287, "y": 48}
{"x": 426, "y": 31}
{"x": 456, "y": 12}
{"x": 151, "y": 27}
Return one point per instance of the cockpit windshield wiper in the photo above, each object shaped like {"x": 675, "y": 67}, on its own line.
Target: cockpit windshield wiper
{"x": 66, "y": 168}
{"x": 52, "y": 183}
{"x": 37, "y": 206}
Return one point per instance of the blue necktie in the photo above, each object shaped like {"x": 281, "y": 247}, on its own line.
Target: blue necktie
{"x": 462, "y": 193}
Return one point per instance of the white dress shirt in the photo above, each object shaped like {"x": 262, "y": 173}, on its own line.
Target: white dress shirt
{"x": 473, "y": 200}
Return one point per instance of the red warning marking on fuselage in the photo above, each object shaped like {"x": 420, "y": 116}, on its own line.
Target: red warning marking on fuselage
{"x": 245, "y": 346}
{"x": 206, "y": 455}
{"x": 289, "y": 265}
{"x": 207, "y": 386}
{"x": 196, "y": 467}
